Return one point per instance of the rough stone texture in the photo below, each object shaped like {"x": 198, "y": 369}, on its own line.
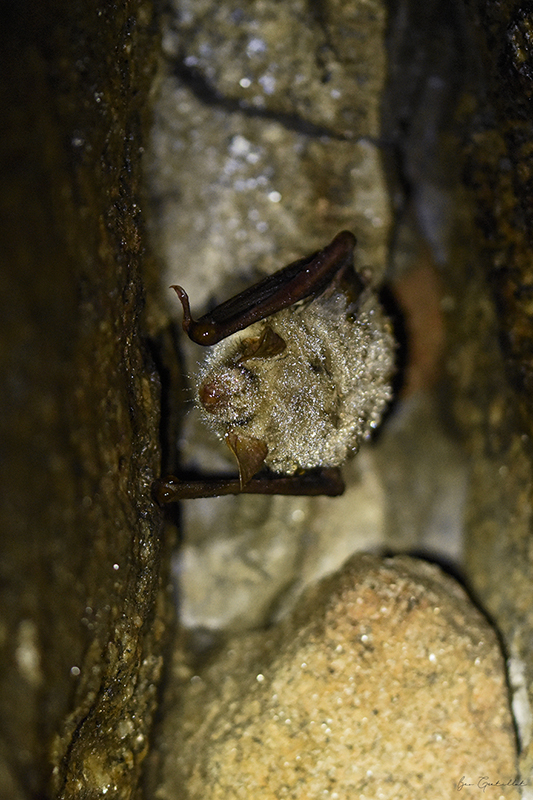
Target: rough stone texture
{"x": 491, "y": 334}
{"x": 486, "y": 280}
{"x": 502, "y": 177}
{"x": 278, "y": 545}
{"x": 498, "y": 556}
{"x": 246, "y": 176}
{"x": 385, "y": 683}
{"x": 83, "y": 602}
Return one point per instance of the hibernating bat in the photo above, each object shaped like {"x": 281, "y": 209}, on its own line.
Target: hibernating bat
{"x": 298, "y": 375}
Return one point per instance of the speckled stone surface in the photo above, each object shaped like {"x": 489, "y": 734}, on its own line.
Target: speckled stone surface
{"x": 83, "y": 606}
{"x": 385, "y": 683}
{"x": 264, "y": 140}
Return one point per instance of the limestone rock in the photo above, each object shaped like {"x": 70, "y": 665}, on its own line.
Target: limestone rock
{"x": 386, "y": 682}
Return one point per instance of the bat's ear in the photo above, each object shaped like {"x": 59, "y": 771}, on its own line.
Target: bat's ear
{"x": 249, "y": 452}
{"x": 267, "y": 345}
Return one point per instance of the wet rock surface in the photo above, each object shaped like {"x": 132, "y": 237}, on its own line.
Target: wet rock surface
{"x": 241, "y": 186}
{"x": 501, "y": 178}
{"x": 492, "y": 374}
{"x": 386, "y": 682}
{"x": 83, "y": 602}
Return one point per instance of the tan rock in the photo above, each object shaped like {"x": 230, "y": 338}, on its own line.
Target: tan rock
{"x": 385, "y": 683}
